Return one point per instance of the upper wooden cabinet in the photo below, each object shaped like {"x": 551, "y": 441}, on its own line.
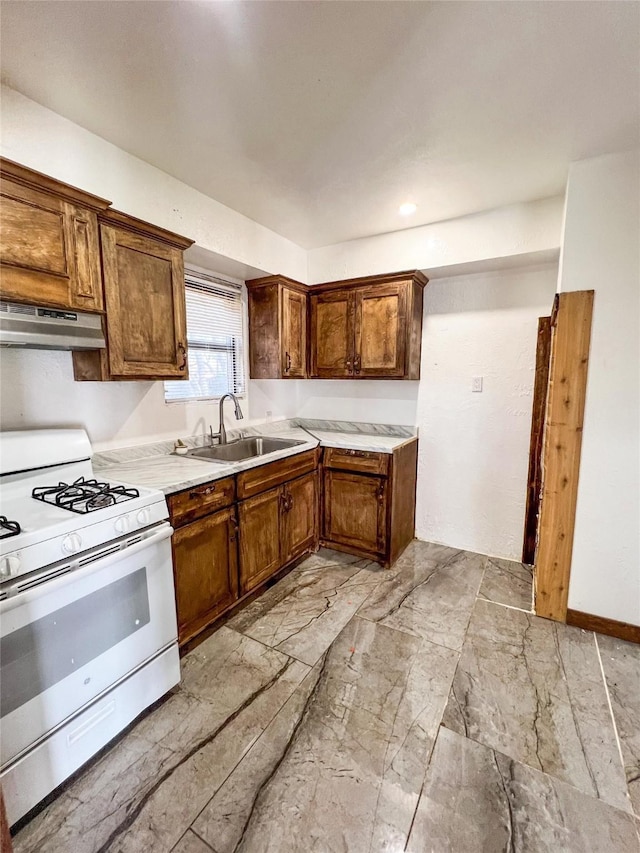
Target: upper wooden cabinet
{"x": 277, "y": 328}
{"x": 49, "y": 249}
{"x": 367, "y": 328}
{"x": 143, "y": 274}
{"x": 332, "y": 334}
{"x": 363, "y": 328}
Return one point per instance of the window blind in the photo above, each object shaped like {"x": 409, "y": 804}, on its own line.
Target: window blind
{"x": 215, "y": 340}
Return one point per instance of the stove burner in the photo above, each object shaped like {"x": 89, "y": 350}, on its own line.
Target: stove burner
{"x": 12, "y": 527}
{"x": 84, "y": 496}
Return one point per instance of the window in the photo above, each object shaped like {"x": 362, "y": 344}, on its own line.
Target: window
{"x": 214, "y": 338}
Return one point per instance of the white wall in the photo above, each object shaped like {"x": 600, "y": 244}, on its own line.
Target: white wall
{"x": 474, "y": 447}
{"x": 516, "y": 231}
{"x": 45, "y": 141}
{"x": 601, "y": 251}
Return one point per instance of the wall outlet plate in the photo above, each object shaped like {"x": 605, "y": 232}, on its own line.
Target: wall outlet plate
{"x": 476, "y": 384}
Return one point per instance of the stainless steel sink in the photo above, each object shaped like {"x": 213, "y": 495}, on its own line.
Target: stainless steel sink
{"x": 244, "y": 448}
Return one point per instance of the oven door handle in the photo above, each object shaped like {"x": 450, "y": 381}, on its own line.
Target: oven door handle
{"x": 164, "y": 531}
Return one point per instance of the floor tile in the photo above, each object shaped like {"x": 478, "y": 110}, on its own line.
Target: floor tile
{"x": 341, "y": 766}
{"x": 621, "y": 664}
{"x": 144, "y": 792}
{"x": 507, "y": 582}
{"x": 305, "y": 614}
{"x": 533, "y": 689}
{"x": 476, "y": 800}
{"x": 431, "y": 595}
{"x": 190, "y": 843}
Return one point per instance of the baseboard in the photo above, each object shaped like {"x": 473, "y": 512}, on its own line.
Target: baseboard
{"x": 602, "y": 625}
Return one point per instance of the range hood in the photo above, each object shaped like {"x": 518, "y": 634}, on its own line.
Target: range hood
{"x": 49, "y": 328}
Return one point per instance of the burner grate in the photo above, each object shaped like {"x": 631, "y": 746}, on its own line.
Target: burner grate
{"x": 8, "y": 528}
{"x": 84, "y": 496}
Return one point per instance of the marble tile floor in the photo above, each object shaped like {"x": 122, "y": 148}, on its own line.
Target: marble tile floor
{"x": 354, "y": 709}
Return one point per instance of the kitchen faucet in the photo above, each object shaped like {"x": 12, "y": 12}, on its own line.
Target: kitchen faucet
{"x": 222, "y": 434}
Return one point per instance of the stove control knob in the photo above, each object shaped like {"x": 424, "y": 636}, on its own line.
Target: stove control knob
{"x": 9, "y": 566}
{"x": 122, "y": 524}
{"x": 144, "y": 516}
{"x": 71, "y": 544}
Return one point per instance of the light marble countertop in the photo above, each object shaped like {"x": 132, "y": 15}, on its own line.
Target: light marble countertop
{"x": 155, "y": 466}
{"x": 360, "y": 441}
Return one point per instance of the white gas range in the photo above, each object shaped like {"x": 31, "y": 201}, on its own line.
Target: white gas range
{"x": 88, "y": 635}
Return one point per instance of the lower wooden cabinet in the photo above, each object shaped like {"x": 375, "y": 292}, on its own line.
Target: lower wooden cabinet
{"x": 355, "y": 511}
{"x": 205, "y": 565}
{"x": 369, "y": 501}
{"x": 276, "y": 527}
{"x": 259, "y": 523}
{"x": 300, "y": 517}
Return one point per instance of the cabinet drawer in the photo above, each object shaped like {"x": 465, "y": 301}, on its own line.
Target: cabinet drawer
{"x": 201, "y": 500}
{"x": 363, "y": 461}
{"x": 268, "y": 476}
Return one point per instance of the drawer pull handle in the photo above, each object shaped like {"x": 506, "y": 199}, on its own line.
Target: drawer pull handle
{"x": 356, "y": 364}
{"x": 349, "y": 368}
{"x": 202, "y": 493}
{"x": 287, "y": 367}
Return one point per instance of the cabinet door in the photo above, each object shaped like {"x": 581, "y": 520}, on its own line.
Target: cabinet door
{"x": 205, "y": 565}
{"x": 48, "y": 250}
{"x": 294, "y": 333}
{"x": 259, "y": 522}
{"x": 355, "y": 511}
{"x": 145, "y": 301}
{"x": 332, "y": 334}
{"x": 380, "y": 330}
{"x": 300, "y": 516}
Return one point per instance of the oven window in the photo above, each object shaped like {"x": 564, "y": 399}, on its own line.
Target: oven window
{"x": 44, "y": 652}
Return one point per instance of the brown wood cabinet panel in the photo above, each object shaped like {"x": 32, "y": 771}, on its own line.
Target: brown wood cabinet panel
{"x": 277, "y": 328}
{"x": 355, "y": 511}
{"x": 199, "y": 501}
{"x": 380, "y": 331}
{"x": 206, "y": 571}
{"x": 402, "y": 503}
{"x": 260, "y": 533}
{"x": 332, "y": 334}
{"x": 364, "y": 461}
{"x": 49, "y": 250}
{"x": 256, "y": 480}
{"x": 300, "y": 522}
{"x": 145, "y": 301}
{"x": 294, "y": 333}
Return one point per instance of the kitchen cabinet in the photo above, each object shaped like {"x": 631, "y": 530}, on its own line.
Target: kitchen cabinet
{"x": 299, "y": 507}
{"x": 260, "y": 547}
{"x": 49, "y": 247}
{"x": 205, "y": 555}
{"x": 205, "y": 564}
{"x": 277, "y": 328}
{"x": 355, "y": 508}
{"x": 276, "y": 527}
{"x": 368, "y": 501}
{"x": 143, "y": 275}
{"x": 367, "y": 328}
{"x": 332, "y": 335}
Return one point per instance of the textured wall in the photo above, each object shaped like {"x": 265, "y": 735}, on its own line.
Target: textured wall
{"x": 474, "y": 447}
{"x": 600, "y": 252}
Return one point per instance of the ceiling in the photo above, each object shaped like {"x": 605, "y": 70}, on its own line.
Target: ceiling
{"x": 318, "y": 119}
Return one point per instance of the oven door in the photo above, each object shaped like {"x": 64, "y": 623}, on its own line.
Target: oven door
{"x": 66, "y": 640}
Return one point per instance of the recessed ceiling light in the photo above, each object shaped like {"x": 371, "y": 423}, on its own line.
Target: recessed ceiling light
{"x": 407, "y": 208}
